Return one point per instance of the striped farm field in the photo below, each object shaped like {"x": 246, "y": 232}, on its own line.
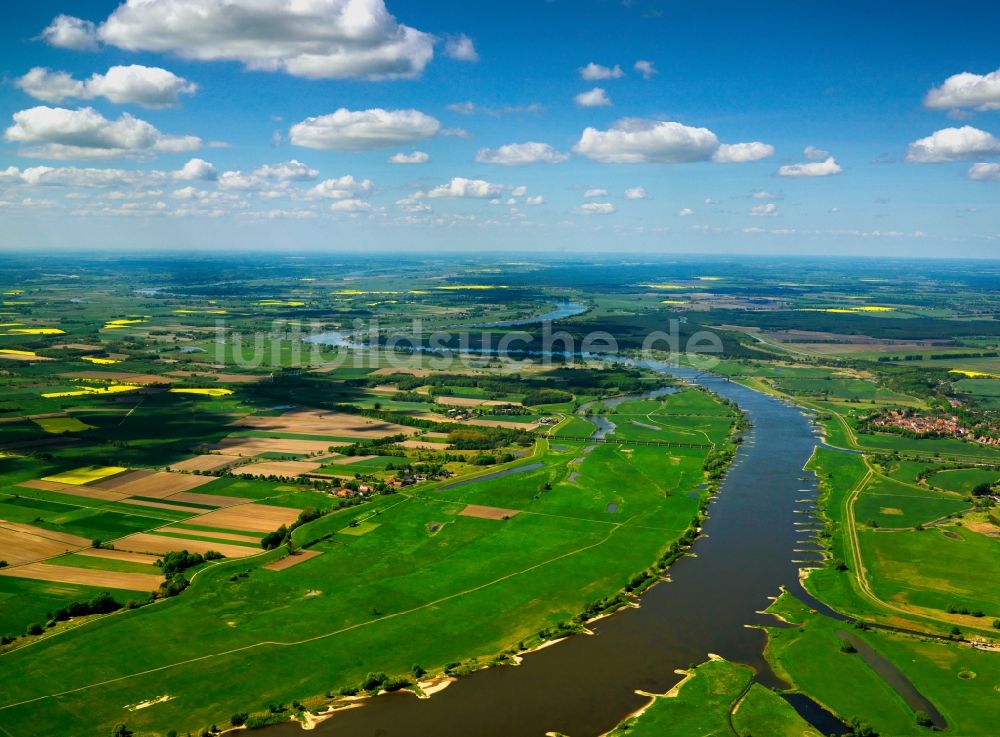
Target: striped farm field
{"x": 145, "y": 542}
{"x": 206, "y": 462}
{"x": 119, "y": 555}
{"x": 85, "y": 576}
{"x": 250, "y": 518}
{"x": 23, "y": 544}
{"x": 278, "y": 468}
{"x": 156, "y": 484}
{"x": 88, "y": 492}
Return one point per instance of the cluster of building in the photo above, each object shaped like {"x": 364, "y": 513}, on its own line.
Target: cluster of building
{"x": 947, "y": 426}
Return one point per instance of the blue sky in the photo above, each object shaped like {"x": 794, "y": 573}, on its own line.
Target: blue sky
{"x": 901, "y": 157}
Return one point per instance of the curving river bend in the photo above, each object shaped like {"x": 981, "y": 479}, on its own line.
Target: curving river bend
{"x": 752, "y": 545}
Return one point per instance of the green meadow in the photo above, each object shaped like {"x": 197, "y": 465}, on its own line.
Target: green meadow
{"x": 579, "y": 527}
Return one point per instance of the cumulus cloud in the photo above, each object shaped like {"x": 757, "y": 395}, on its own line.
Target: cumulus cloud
{"x": 150, "y": 87}
{"x": 341, "y": 188}
{"x": 953, "y": 144}
{"x": 636, "y": 193}
{"x": 412, "y": 203}
{"x": 764, "y": 210}
{"x": 60, "y": 133}
{"x": 416, "y": 157}
{"x": 535, "y": 200}
{"x": 685, "y": 212}
{"x": 741, "y": 153}
{"x": 287, "y": 171}
{"x": 635, "y": 140}
{"x": 350, "y": 205}
{"x": 595, "y": 208}
{"x": 71, "y": 176}
{"x": 811, "y": 169}
{"x": 461, "y": 187}
{"x": 966, "y": 90}
{"x": 518, "y": 154}
{"x": 239, "y": 181}
{"x": 363, "y": 130}
{"x": 983, "y": 172}
{"x": 595, "y": 71}
{"x": 596, "y": 97}
{"x": 44, "y": 84}
{"x": 470, "y": 108}
{"x": 455, "y": 133}
{"x": 68, "y": 32}
{"x": 595, "y": 192}
{"x": 645, "y": 68}
{"x": 320, "y": 39}
{"x": 815, "y": 154}
{"x": 196, "y": 170}
{"x": 461, "y": 48}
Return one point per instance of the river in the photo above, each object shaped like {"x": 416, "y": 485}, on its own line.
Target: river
{"x": 584, "y": 685}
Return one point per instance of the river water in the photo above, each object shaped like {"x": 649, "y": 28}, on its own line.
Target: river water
{"x": 584, "y": 685}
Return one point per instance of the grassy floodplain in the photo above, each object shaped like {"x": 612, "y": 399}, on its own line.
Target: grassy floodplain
{"x": 418, "y": 565}
{"x": 811, "y": 657}
{"x": 714, "y": 699}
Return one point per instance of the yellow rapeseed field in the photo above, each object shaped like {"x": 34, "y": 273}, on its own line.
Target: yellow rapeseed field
{"x": 206, "y": 392}
{"x": 84, "y": 475}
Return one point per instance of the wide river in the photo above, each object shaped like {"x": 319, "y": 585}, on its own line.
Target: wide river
{"x": 756, "y": 538}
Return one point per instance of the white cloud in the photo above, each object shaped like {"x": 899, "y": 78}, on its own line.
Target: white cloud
{"x": 815, "y": 154}
{"x": 147, "y": 86}
{"x": 240, "y": 181}
{"x": 517, "y": 154}
{"x": 412, "y": 203}
{"x": 470, "y": 108}
{"x": 519, "y": 191}
{"x": 341, "y": 188}
{"x": 196, "y": 170}
{"x": 44, "y": 84}
{"x": 287, "y": 171}
{"x": 596, "y": 192}
{"x": 362, "y": 130}
{"x": 764, "y": 210}
{"x": 71, "y": 176}
{"x": 68, "y": 32}
{"x": 979, "y": 91}
{"x": 151, "y": 87}
{"x": 351, "y": 205}
{"x": 763, "y": 194}
{"x": 60, "y": 133}
{"x": 462, "y": 187}
{"x": 983, "y": 172}
{"x": 461, "y": 48}
{"x": 636, "y": 193}
{"x": 319, "y": 39}
{"x": 595, "y": 71}
{"x": 811, "y": 169}
{"x": 635, "y": 140}
{"x": 645, "y": 68}
{"x": 416, "y": 157}
{"x": 741, "y": 153}
{"x": 455, "y": 133}
{"x": 685, "y": 212}
{"x": 536, "y": 200}
{"x": 595, "y": 208}
{"x": 596, "y": 97}
{"x": 953, "y": 144}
